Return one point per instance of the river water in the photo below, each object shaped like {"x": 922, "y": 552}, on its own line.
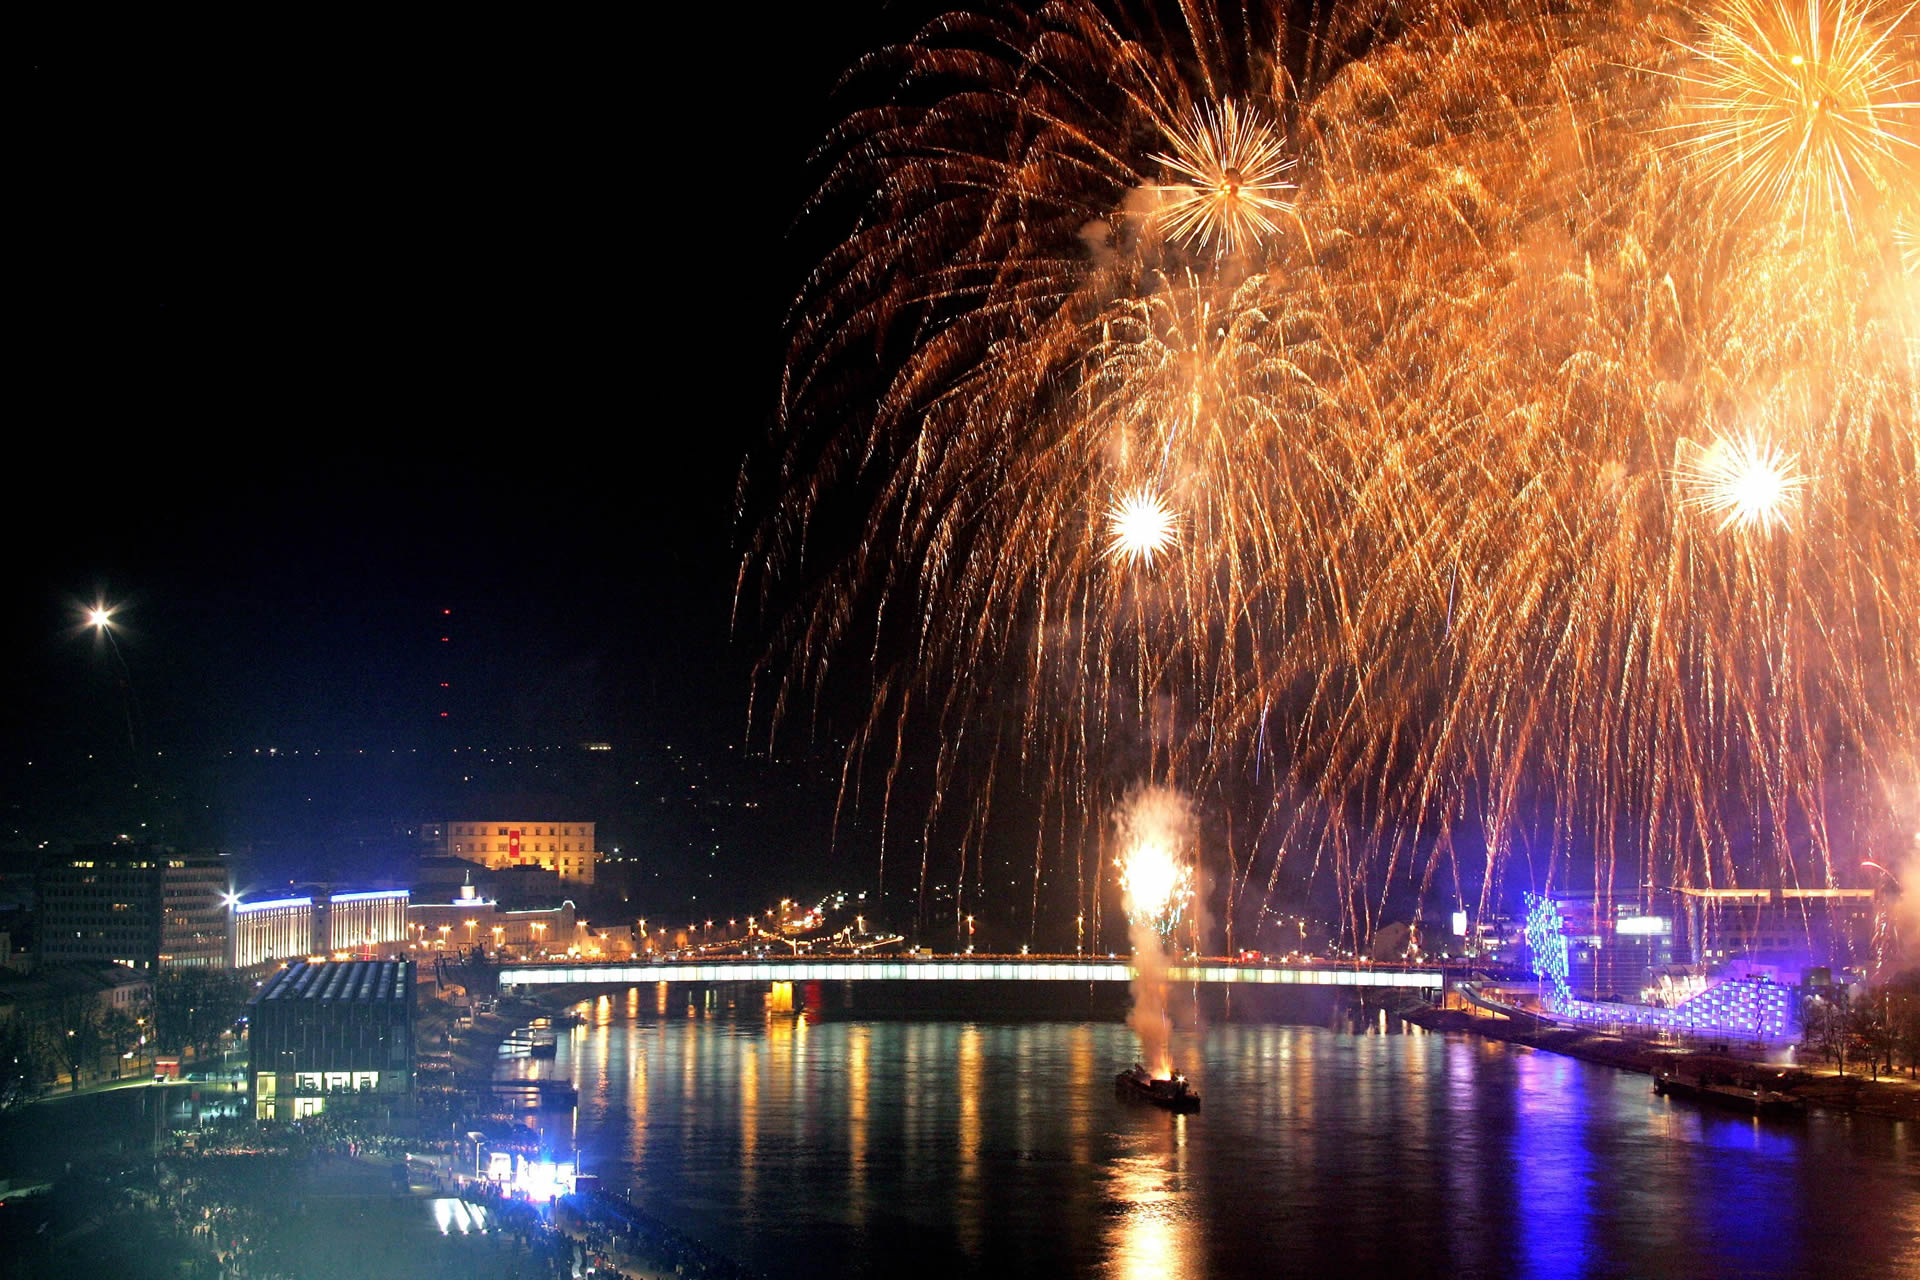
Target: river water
{"x": 928, "y": 1148}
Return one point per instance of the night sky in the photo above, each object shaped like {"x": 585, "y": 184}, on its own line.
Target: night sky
{"x": 330, "y": 330}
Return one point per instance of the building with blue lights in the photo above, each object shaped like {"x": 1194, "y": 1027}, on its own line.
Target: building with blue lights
{"x": 1615, "y": 944}
{"x": 1744, "y": 1006}
{"x": 321, "y": 923}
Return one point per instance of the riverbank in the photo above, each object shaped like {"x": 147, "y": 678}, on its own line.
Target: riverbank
{"x": 474, "y": 1050}
{"x": 1894, "y": 1099}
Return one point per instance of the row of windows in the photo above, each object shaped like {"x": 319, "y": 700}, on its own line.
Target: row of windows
{"x": 481, "y": 846}
{"x": 476, "y": 829}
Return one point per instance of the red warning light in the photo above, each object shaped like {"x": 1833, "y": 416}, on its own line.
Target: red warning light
{"x": 445, "y": 685}
{"x": 446, "y": 639}
{"x": 446, "y": 613}
{"x": 443, "y": 715}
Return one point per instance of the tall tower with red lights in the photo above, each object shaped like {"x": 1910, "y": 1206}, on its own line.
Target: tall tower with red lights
{"x": 442, "y": 668}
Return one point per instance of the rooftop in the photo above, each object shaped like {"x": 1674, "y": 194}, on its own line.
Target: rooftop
{"x": 363, "y": 981}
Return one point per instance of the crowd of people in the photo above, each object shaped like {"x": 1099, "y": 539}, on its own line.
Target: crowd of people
{"x": 621, "y": 1232}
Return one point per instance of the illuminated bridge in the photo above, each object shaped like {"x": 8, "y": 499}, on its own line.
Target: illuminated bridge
{"x": 965, "y": 969}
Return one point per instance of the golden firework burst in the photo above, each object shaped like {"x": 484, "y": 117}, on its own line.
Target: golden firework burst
{"x": 1140, "y": 525}
{"x": 1746, "y": 481}
{"x": 1230, "y": 179}
{"x": 1802, "y": 104}
{"x": 1435, "y": 591}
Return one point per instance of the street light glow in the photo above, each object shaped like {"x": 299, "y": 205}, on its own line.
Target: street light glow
{"x": 99, "y": 616}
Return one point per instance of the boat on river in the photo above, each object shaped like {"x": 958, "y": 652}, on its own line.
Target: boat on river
{"x": 1171, "y": 1093}
{"x": 1729, "y": 1094}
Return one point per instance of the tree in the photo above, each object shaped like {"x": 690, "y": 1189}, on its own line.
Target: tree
{"x": 19, "y": 1062}
{"x": 1826, "y": 1021}
{"x": 1866, "y": 1028}
{"x": 192, "y": 1007}
{"x": 121, "y": 1029}
{"x": 75, "y": 1029}
{"x": 1900, "y": 999}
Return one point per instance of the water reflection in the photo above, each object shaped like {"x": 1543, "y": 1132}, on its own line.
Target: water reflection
{"x": 749, "y": 1077}
{"x": 1550, "y": 1157}
{"x": 863, "y": 1149}
{"x": 859, "y": 1045}
{"x": 1152, "y": 1237}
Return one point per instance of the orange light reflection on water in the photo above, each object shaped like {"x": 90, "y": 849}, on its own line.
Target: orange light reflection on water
{"x": 1153, "y": 1237}
{"x": 859, "y": 1046}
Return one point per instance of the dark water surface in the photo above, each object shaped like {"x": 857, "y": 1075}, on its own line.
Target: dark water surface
{"x": 929, "y": 1148}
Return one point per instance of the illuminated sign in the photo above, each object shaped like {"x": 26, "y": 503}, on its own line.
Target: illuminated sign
{"x": 1643, "y": 926}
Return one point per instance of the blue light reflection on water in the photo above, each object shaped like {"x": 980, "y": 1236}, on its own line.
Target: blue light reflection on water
{"x": 865, "y": 1149}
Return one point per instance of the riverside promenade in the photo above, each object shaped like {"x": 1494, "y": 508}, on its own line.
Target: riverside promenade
{"x": 1818, "y": 1085}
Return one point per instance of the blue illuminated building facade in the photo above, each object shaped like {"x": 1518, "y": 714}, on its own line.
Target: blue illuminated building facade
{"x": 318, "y": 924}
{"x": 1746, "y": 1007}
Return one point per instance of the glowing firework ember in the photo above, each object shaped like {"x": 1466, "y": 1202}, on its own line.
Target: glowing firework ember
{"x": 1157, "y": 886}
{"x": 1140, "y": 526}
{"x": 1803, "y": 103}
{"x": 1906, "y": 235}
{"x": 1746, "y": 482}
{"x": 1230, "y": 179}
{"x": 1439, "y": 589}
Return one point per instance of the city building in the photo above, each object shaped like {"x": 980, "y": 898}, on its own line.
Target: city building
{"x": 323, "y": 1033}
{"x": 1790, "y": 929}
{"x": 101, "y": 985}
{"x": 143, "y": 906}
{"x": 362, "y": 922}
{"x": 471, "y": 920}
{"x": 542, "y": 929}
{"x": 1616, "y": 947}
{"x": 466, "y": 921}
{"x": 275, "y": 929}
{"x": 564, "y": 848}
{"x": 193, "y": 910}
{"x": 319, "y": 924}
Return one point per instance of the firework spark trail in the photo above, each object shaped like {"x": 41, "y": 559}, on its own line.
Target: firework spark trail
{"x": 1426, "y": 438}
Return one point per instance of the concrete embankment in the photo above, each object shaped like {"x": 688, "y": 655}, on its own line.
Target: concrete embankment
{"x": 1893, "y": 1098}
{"x": 475, "y": 1049}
